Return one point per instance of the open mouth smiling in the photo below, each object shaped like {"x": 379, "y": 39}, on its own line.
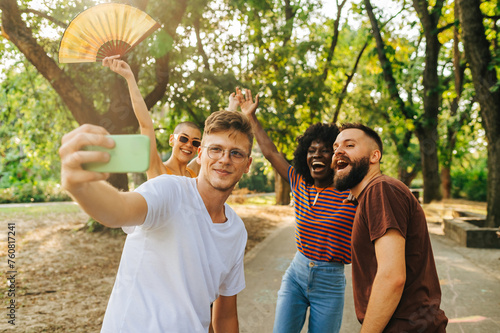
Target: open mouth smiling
{"x": 317, "y": 166}
{"x": 341, "y": 164}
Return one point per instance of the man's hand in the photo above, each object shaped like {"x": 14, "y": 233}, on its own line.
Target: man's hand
{"x": 73, "y": 176}
{"x": 118, "y": 66}
{"x": 247, "y": 105}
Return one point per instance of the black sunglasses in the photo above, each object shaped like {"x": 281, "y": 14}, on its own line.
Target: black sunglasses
{"x": 184, "y": 139}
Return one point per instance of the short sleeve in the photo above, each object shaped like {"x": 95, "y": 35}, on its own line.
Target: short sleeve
{"x": 162, "y": 195}
{"x": 235, "y": 280}
{"x": 385, "y": 208}
{"x": 293, "y": 177}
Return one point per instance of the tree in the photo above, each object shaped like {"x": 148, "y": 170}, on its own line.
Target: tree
{"x": 425, "y": 124}
{"x": 119, "y": 117}
{"x": 307, "y": 67}
{"x": 426, "y": 128}
{"x": 292, "y": 72}
{"x": 457, "y": 117}
{"x": 30, "y": 128}
{"x": 480, "y": 55}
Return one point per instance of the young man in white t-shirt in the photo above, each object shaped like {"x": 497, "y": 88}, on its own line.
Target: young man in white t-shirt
{"x": 185, "y": 246}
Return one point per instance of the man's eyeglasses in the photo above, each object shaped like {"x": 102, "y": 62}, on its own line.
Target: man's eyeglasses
{"x": 184, "y": 139}
{"x": 236, "y": 155}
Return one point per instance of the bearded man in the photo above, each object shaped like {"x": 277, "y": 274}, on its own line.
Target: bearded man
{"x": 394, "y": 278}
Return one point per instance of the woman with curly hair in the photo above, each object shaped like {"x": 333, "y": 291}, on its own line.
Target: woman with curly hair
{"x": 315, "y": 278}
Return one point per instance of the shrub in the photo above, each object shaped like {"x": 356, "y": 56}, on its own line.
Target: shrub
{"x": 471, "y": 183}
{"x": 37, "y": 192}
{"x": 257, "y": 180}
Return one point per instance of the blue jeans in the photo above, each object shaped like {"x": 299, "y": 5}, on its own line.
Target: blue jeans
{"x": 309, "y": 283}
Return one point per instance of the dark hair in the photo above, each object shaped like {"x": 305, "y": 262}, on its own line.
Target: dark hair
{"x": 326, "y": 133}
{"x": 223, "y": 120}
{"x": 368, "y": 131}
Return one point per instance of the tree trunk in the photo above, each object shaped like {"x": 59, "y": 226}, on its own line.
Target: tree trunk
{"x": 428, "y": 138}
{"x": 406, "y": 111}
{"x": 493, "y": 192}
{"x": 446, "y": 181}
{"x": 120, "y": 118}
{"x": 282, "y": 189}
{"x": 335, "y": 39}
{"x": 119, "y": 180}
{"x": 426, "y": 129}
{"x": 406, "y": 159}
{"x": 407, "y": 177}
{"x": 484, "y": 76}
{"x": 16, "y": 31}
{"x": 459, "y": 66}
{"x": 138, "y": 178}
{"x": 346, "y": 85}
{"x": 386, "y": 64}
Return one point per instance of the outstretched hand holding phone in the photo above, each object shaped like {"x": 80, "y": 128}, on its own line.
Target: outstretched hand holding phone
{"x": 73, "y": 175}
{"x": 97, "y": 198}
{"x": 130, "y": 154}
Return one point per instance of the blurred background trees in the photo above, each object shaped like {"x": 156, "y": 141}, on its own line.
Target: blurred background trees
{"x": 401, "y": 67}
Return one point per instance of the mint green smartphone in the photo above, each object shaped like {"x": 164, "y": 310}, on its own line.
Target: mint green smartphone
{"x": 130, "y": 154}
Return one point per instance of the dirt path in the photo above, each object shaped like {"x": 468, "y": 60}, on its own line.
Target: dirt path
{"x": 65, "y": 275}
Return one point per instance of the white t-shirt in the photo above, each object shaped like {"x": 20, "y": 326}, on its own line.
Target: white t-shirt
{"x": 175, "y": 264}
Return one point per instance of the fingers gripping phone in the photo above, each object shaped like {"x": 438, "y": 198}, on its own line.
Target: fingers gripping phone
{"x": 130, "y": 154}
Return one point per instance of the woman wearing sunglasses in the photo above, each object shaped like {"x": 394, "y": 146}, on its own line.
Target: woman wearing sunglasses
{"x": 184, "y": 142}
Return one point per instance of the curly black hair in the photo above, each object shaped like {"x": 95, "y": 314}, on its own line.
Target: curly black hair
{"x": 326, "y": 133}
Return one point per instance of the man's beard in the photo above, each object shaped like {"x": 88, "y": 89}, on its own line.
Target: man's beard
{"x": 354, "y": 177}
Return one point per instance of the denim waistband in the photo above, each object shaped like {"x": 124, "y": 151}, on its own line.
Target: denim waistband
{"x": 302, "y": 259}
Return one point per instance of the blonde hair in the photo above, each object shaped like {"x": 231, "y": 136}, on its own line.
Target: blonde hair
{"x": 221, "y": 121}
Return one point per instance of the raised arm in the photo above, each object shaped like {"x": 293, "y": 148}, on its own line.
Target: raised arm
{"x": 271, "y": 153}
{"x": 99, "y": 199}
{"x": 156, "y": 166}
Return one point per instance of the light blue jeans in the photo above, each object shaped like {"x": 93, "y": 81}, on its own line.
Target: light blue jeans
{"x": 309, "y": 283}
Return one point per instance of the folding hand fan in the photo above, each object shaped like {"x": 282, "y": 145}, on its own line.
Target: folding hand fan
{"x": 104, "y": 30}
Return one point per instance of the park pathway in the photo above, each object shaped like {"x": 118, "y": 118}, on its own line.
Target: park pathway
{"x": 470, "y": 282}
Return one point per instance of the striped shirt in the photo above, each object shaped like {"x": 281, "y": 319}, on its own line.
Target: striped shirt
{"x": 323, "y": 230}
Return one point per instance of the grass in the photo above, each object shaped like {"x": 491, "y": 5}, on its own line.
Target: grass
{"x": 38, "y": 210}
{"x": 241, "y": 200}
{"x": 261, "y": 200}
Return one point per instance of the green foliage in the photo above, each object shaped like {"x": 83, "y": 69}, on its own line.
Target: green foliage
{"x": 162, "y": 44}
{"x": 93, "y": 226}
{"x": 470, "y": 183}
{"x": 28, "y": 192}
{"x": 38, "y": 211}
{"x": 256, "y": 179}
{"x": 32, "y": 123}
{"x": 261, "y": 200}
{"x": 248, "y": 44}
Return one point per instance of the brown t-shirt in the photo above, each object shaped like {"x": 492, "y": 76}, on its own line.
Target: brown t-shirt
{"x": 386, "y": 203}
